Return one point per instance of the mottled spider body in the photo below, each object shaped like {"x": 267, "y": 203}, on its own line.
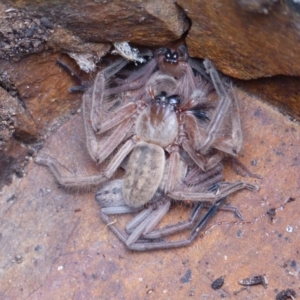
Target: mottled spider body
{"x": 170, "y": 139}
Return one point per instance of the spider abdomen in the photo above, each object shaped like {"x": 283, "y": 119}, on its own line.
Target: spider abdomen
{"x": 144, "y": 174}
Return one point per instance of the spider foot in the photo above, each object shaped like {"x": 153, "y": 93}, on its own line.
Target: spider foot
{"x": 252, "y": 187}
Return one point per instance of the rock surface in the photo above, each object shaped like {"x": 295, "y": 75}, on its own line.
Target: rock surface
{"x": 41, "y": 89}
{"x": 244, "y": 44}
{"x": 67, "y": 25}
{"x": 281, "y": 91}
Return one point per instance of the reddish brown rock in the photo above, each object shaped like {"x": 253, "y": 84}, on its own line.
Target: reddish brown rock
{"x": 245, "y": 44}
{"x": 14, "y": 157}
{"x": 21, "y": 33}
{"x": 42, "y": 24}
{"x": 35, "y": 102}
{"x": 281, "y": 91}
{"x": 86, "y": 54}
{"x": 14, "y": 118}
{"x": 42, "y": 87}
{"x": 258, "y": 6}
{"x": 9, "y": 107}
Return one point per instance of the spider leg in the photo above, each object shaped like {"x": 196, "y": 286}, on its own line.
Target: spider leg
{"x": 195, "y": 133}
{"x": 232, "y": 209}
{"x": 83, "y": 85}
{"x": 100, "y": 152}
{"x": 94, "y": 110}
{"x": 117, "y": 117}
{"x": 204, "y": 180}
{"x": 158, "y": 245}
{"x": 135, "y": 81}
{"x": 211, "y": 196}
{"x": 214, "y": 160}
{"x": 147, "y": 223}
{"x": 187, "y": 83}
{"x": 119, "y": 210}
{"x": 211, "y": 211}
{"x": 119, "y": 157}
{"x": 142, "y": 223}
{"x": 171, "y": 229}
{"x": 155, "y": 245}
{"x": 137, "y": 220}
{"x": 218, "y": 117}
{"x": 161, "y": 244}
{"x": 199, "y": 159}
{"x": 72, "y": 181}
{"x": 93, "y": 103}
{"x": 198, "y": 67}
{"x": 193, "y": 63}
{"x": 143, "y": 73}
{"x": 95, "y": 122}
{"x": 141, "y": 227}
{"x": 176, "y": 172}
{"x": 113, "y": 228}
{"x": 212, "y": 178}
{"x": 237, "y": 135}
{"x": 215, "y": 78}
{"x": 232, "y": 145}
{"x": 134, "y": 243}
{"x": 110, "y": 198}
{"x": 115, "y": 67}
{"x": 157, "y": 215}
{"x": 241, "y": 169}
{"x": 81, "y": 182}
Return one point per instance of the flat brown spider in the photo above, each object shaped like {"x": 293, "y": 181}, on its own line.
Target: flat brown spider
{"x": 169, "y": 140}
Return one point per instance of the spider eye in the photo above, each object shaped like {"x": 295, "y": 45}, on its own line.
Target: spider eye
{"x": 171, "y": 57}
{"x": 174, "y": 100}
{"x": 168, "y": 55}
{"x": 161, "y": 97}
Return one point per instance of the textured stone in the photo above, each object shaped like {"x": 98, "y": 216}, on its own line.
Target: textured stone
{"x": 42, "y": 88}
{"x": 21, "y": 33}
{"x": 243, "y": 44}
{"x": 13, "y": 159}
{"x": 259, "y": 6}
{"x": 150, "y": 23}
{"x": 14, "y": 118}
{"x": 281, "y": 91}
